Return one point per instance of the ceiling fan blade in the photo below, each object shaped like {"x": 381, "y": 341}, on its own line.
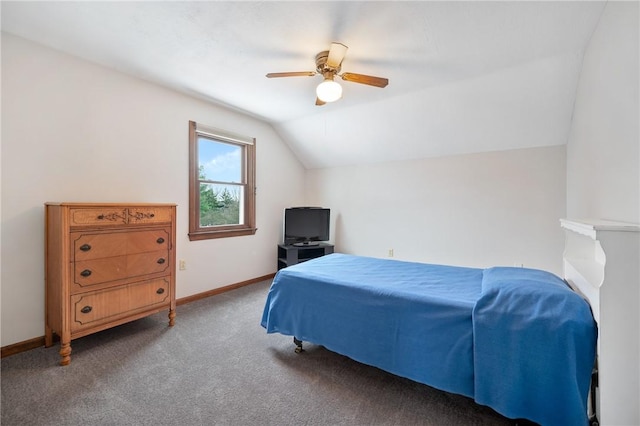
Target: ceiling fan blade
{"x": 336, "y": 55}
{"x": 292, "y": 74}
{"x": 365, "y": 79}
{"x": 319, "y": 102}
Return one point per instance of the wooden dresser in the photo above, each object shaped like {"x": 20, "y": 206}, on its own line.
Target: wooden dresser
{"x": 106, "y": 264}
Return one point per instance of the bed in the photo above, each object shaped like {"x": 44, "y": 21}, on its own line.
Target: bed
{"x": 601, "y": 261}
{"x": 518, "y": 340}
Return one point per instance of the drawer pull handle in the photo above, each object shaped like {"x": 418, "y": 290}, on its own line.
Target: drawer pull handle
{"x": 85, "y": 247}
{"x": 86, "y": 309}
{"x": 110, "y": 216}
{"x": 160, "y": 290}
{"x": 85, "y": 273}
{"x": 161, "y": 260}
{"x": 160, "y": 240}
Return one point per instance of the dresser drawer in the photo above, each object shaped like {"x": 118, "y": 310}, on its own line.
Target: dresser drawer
{"x": 92, "y": 272}
{"x": 152, "y": 240}
{"x": 94, "y": 246}
{"x": 102, "y": 216}
{"x": 95, "y": 308}
{"x": 145, "y": 215}
{"x": 118, "y": 216}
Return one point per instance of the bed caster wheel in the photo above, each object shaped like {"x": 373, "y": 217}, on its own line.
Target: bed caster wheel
{"x": 593, "y": 421}
{"x": 298, "y": 344}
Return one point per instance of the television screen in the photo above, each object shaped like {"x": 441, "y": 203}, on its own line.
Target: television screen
{"x": 306, "y": 225}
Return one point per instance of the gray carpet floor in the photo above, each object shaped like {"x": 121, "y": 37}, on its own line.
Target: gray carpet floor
{"x": 216, "y": 366}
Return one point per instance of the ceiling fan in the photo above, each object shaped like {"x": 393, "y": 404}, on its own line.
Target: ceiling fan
{"x": 329, "y": 64}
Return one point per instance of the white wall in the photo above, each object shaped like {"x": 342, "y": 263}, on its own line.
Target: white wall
{"x": 74, "y": 131}
{"x": 603, "y": 152}
{"x": 487, "y": 209}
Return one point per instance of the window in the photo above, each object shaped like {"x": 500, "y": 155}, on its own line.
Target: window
{"x": 221, "y": 183}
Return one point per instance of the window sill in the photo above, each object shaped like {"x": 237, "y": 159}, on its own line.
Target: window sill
{"x": 224, "y": 233}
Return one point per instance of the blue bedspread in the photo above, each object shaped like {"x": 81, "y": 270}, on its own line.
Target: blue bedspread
{"x": 470, "y": 331}
{"x": 410, "y": 319}
{"x": 534, "y": 347}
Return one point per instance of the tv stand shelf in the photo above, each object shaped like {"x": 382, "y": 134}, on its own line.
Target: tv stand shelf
{"x": 289, "y": 254}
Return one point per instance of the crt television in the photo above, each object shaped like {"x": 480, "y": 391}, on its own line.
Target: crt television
{"x": 306, "y": 226}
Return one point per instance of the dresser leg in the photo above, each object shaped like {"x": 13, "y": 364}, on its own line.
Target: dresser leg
{"x": 172, "y": 317}
{"x": 48, "y": 337}
{"x": 65, "y": 353}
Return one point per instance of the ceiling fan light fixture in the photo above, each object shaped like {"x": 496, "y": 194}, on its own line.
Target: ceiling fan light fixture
{"x": 329, "y": 65}
{"x": 329, "y": 90}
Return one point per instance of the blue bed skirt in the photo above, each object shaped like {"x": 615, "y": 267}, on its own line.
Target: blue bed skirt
{"x": 515, "y": 339}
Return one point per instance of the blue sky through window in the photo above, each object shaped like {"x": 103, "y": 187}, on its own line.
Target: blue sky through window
{"x": 221, "y": 161}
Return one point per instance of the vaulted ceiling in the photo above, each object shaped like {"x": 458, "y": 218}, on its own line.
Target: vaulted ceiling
{"x": 463, "y": 76}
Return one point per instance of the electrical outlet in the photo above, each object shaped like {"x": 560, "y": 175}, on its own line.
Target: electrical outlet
{"x": 182, "y": 265}
{"x": 390, "y": 254}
